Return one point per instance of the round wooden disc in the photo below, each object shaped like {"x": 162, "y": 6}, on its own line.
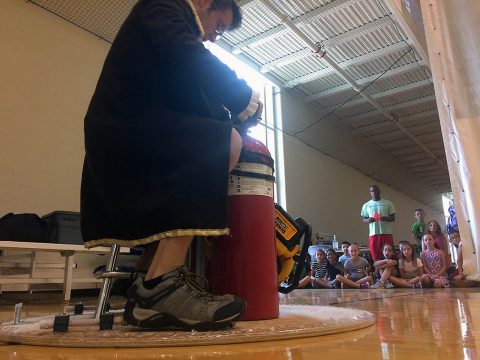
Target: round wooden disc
{"x": 295, "y": 321}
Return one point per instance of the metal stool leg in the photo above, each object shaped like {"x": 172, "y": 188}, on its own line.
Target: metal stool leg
{"x": 107, "y": 281}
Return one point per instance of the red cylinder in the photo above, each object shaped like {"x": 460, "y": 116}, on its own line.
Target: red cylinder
{"x": 244, "y": 263}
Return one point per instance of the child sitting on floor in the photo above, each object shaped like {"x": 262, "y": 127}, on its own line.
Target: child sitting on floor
{"x": 356, "y": 270}
{"x": 434, "y": 263}
{"x": 334, "y": 268}
{"x": 410, "y": 268}
{"x": 318, "y": 270}
{"x": 386, "y": 267}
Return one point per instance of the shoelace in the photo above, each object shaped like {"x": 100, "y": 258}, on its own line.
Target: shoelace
{"x": 190, "y": 279}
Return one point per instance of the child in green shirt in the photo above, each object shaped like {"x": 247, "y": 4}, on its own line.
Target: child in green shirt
{"x": 419, "y": 228}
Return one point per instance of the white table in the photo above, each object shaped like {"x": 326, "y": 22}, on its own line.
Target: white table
{"x": 65, "y": 250}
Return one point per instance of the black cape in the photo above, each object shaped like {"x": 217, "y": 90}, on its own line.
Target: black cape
{"x": 157, "y": 136}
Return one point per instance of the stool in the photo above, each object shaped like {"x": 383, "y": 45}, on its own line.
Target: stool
{"x": 108, "y": 275}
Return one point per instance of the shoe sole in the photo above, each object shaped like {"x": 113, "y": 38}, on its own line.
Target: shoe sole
{"x": 165, "y": 321}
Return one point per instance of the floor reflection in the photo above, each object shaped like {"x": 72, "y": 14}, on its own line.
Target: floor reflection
{"x": 423, "y": 323}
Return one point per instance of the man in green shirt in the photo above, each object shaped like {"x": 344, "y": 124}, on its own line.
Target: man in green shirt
{"x": 378, "y": 213}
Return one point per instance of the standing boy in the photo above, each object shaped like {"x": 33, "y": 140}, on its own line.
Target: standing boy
{"x": 418, "y": 229}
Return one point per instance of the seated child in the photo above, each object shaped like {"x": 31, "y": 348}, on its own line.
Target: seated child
{"x": 386, "y": 267}
{"x": 334, "y": 268}
{"x": 356, "y": 270}
{"x": 400, "y": 248}
{"x": 345, "y": 256}
{"x": 318, "y": 270}
{"x": 410, "y": 268}
{"x": 434, "y": 263}
{"x": 458, "y": 277}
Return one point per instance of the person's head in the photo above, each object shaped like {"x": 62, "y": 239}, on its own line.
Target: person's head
{"x": 320, "y": 255}
{"x": 408, "y": 252}
{"x": 401, "y": 243}
{"x": 375, "y": 192}
{"x": 217, "y": 16}
{"x": 434, "y": 227}
{"x": 331, "y": 256}
{"x": 429, "y": 241}
{"x": 345, "y": 245}
{"x": 354, "y": 251}
{"x": 387, "y": 251}
{"x": 420, "y": 215}
{"x": 454, "y": 238}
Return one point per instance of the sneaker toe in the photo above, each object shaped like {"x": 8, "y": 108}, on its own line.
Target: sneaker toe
{"x": 231, "y": 311}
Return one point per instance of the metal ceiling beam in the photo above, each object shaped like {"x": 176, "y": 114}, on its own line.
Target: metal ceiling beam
{"x": 397, "y": 106}
{"x": 364, "y": 81}
{"x": 423, "y": 167}
{"x": 419, "y": 115}
{"x": 407, "y": 152}
{"x": 245, "y": 4}
{"x": 300, "y": 21}
{"x": 328, "y": 44}
{"x": 383, "y": 94}
{"x": 312, "y": 45}
{"x": 420, "y": 162}
{"x": 385, "y": 51}
{"x": 426, "y": 174}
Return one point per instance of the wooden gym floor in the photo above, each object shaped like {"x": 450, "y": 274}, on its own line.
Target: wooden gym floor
{"x": 410, "y": 324}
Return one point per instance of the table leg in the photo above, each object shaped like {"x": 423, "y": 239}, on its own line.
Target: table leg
{"x": 67, "y": 275}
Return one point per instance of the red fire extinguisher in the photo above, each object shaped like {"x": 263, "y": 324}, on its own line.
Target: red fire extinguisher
{"x": 244, "y": 262}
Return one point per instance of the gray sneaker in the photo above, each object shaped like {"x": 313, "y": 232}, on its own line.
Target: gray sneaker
{"x": 388, "y": 285}
{"x": 180, "y": 302}
{"x": 378, "y": 285}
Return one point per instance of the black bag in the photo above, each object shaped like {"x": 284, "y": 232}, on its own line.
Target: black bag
{"x": 23, "y": 227}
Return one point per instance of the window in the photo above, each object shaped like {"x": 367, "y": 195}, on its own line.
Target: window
{"x": 268, "y": 131}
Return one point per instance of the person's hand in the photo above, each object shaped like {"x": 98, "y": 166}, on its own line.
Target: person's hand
{"x": 252, "y": 120}
{"x": 371, "y": 219}
{"x": 258, "y": 113}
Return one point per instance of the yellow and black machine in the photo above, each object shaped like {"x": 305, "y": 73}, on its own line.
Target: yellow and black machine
{"x": 293, "y": 238}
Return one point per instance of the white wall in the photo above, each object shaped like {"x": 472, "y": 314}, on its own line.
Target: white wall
{"x": 48, "y": 71}
{"x": 328, "y": 193}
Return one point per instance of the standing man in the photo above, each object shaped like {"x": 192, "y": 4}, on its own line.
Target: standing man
{"x": 159, "y": 145}
{"x": 378, "y": 214}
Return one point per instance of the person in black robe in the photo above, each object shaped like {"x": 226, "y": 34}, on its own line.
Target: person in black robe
{"x": 159, "y": 145}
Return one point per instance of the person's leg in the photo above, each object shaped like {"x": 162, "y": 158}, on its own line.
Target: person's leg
{"x": 347, "y": 281}
{"x": 170, "y": 254}
{"x": 371, "y": 243}
{"x": 307, "y": 280}
{"x": 400, "y": 282}
{"x": 366, "y": 279}
{"x": 321, "y": 283}
{"x": 144, "y": 264}
{"x": 376, "y": 247}
{"x": 145, "y": 260}
{"x": 385, "y": 274}
{"x": 426, "y": 281}
{"x": 170, "y": 296}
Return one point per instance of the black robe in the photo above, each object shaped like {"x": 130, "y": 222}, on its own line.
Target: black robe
{"x": 157, "y": 136}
